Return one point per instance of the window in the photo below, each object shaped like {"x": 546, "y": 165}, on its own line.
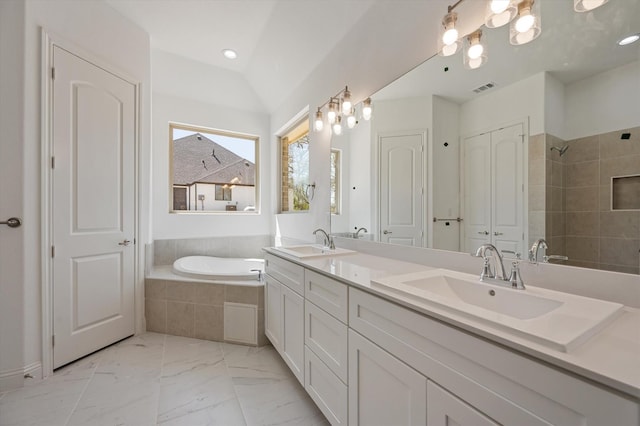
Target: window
{"x": 213, "y": 170}
{"x": 294, "y": 164}
{"x": 335, "y": 179}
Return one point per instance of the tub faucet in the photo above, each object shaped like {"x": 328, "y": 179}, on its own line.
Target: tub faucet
{"x": 357, "y": 234}
{"x": 328, "y": 241}
{"x": 533, "y": 252}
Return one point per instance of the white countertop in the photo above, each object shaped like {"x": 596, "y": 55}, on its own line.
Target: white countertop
{"x": 611, "y": 357}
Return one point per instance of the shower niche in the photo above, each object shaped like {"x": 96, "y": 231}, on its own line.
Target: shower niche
{"x": 625, "y": 192}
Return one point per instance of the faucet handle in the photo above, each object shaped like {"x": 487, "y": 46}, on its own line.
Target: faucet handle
{"x": 486, "y": 270}
{"x": 515, "y": 278}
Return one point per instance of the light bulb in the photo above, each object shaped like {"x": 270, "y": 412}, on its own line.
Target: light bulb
{"x": 331, "y": 115}
{"x": 351, "y": 121}
{"x": 366, "y": 109}
{"x": 524, "y": 23}
{"x": 319, "y": 124}
{"x": 499, "y": 6}
{"x": 346, "y": 101}
{"x": 475, "y": 51}
{"x": 337, "y": 126}
{"x": 450, "y": 36}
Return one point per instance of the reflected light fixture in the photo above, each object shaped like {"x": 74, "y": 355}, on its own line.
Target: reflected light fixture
{"x": 337, "y": 126}
{"x": 526, "y": 27}
{"x": 449, "y": 40}
{"x": 500, "y": 12}
{"x": 319, "y": 123}
{"x": 366, "y": 109}
{"x": 475, "y": 52}
{"x": 338, "y": 114}
{"x": 229, "y": 53}
{"x": 587, "y": 5}
{"x": 346, "y": 101}
{"x": 629, "y": 39}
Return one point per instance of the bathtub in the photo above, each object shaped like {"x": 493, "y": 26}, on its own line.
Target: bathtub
{"x": 219, "y": 268}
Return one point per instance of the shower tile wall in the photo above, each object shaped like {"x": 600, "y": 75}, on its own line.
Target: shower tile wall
{"x": 578, "y": 220}
{"x": 165, "y": 252}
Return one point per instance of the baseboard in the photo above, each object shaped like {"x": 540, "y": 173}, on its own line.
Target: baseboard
{"x": 11, "y": 379}
{"x": 33, "y": 373}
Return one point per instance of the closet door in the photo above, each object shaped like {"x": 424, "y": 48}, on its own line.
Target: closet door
{"x": 507, "y": 215}
{"x": 477, "y": 191}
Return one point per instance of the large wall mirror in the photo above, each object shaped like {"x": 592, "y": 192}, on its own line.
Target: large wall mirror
{"x": 542, "y": 141}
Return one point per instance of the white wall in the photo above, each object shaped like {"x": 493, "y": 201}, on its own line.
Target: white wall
{"x": 76, "y": 23}
{"x": 603, "y": 103}
{"x": 12, "y": 247}
{"x": 506, "y": 105}
{"x": 444, "y": 186}
{"x": 554, "y": 107}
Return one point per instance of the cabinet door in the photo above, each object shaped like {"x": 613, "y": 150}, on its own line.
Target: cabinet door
{"x": 293, "y": 332}
{"x": 444, "y": 409}
{"x": 272, "y": 311}
{"x": 383, "y": 390}
{"x": 326, "y": 389}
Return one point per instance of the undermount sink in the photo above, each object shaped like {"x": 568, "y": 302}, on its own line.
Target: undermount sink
{"x": 312, "y": 250}
{"x": 560, "y": 321}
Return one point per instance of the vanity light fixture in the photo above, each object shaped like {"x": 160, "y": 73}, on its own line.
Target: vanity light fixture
{"x": 229, "y": 53}
{"x": 500, "y": 12}
{"x": 319, "y": 123}
{"x": 449, "y": 40}
{"x": 366, "y": 109}
{"x": 337, "y": 126}
{"x": 587, "y": 5}
{"x": 338, "y": 115}
{"x": 475, "y": 52}
{"x": 629, "y": 39}
{"x": 526, "y": 27}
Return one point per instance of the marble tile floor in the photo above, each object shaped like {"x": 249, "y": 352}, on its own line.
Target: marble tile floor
{"x": 157, "y": 379}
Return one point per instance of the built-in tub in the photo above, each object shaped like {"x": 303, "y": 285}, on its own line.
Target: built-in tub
{"x": 219, "y": 268}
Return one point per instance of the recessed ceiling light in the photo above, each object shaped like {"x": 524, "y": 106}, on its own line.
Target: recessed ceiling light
{"x": 629, "y": 39}
{"x": 229, "y": 53}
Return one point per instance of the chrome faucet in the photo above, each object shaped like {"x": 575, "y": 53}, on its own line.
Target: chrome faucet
{"x": 328, "y": 241}
{"x": 533, "y": 252}
{"x": 357, "y": 234}
{"x": 487, "y": 272}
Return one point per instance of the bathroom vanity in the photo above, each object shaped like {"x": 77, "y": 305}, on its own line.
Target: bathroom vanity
{"x": 371, "y": 355}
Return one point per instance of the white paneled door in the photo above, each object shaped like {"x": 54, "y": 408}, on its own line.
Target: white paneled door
{"x": 402, "y": 188}
{"x": 93, "y": 117}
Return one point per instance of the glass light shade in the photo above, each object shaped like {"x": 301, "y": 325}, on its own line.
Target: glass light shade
{"x": 500, "y": 12}
{"x": 319, "y": 123}
{"x": 449, "y": 42}
{"x": 351, "y": 121}
{"x": 366, "y": 109}
{"x": 587, "y": 5}
{"x": 526, "y": 27}
{"x": 337, "y": 126}
{"x": 333, "y": 112}
{"x": 346, "y": 101}
{"x": 475, "y": 52}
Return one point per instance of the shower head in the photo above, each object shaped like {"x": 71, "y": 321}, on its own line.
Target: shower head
{"x": 560, "y": 149}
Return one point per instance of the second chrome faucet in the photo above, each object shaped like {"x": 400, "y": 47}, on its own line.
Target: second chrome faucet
{"x": 514, "y": 280}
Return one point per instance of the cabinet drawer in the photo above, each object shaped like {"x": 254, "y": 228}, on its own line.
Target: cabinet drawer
{"x": 287, "y": 273}
{"x": 500, "y": 383}
{"x": 328, "y": 294}
{"x": 326, "y": 389}
{"x": 327, "y": 338}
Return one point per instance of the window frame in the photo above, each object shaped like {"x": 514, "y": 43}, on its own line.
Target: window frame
{"x": 221, "y": 132}
{"x": 338, "y": 181}
{"x": 282, "y": 139}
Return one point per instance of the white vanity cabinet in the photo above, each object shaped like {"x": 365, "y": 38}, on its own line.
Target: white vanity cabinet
{"x": 474, "y": 381}
{"x": 325, "y": 338}
{"x": 284, "y": 311}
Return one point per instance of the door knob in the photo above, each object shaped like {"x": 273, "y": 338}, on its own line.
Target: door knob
{"x": 12, "y": 222}
{"x": 385, "y": 232}
{"x": 124, "y": 243}
{"x": 497, "y": 233}
{"x": 483, "y": 232}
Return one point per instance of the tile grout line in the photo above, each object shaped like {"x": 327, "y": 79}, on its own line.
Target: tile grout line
{"x": 226, "y": 366}
{"x": 75, "y": 406}
{"x": 164, "y": 351}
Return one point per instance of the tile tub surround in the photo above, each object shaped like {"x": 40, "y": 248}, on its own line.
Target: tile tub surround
{"x": 154, "y": 379}
{"x": 196, "y": 309}
{"x": 165, "y": 252}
